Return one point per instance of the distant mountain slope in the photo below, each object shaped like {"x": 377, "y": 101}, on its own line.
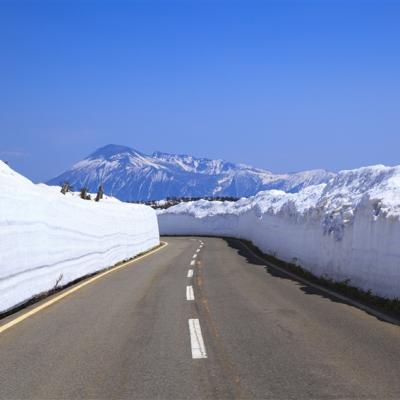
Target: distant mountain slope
{"x": 131, "y": 175}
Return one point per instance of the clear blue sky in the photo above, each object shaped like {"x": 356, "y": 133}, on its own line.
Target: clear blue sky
{"x": 280, "y": 85}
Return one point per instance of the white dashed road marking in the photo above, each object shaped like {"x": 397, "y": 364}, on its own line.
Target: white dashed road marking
{"x": 196, "y": 339}
{"x": 189, "y": 293}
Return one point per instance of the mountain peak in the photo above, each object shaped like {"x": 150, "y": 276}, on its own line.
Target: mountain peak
{"x": 110, "y": 150}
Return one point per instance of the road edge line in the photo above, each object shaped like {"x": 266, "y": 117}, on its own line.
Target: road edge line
{"x": 74, "y": 289}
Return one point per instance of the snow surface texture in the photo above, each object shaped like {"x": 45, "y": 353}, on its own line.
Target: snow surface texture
{"x": 47, "y": 238}
{"x": 348, "y": 228}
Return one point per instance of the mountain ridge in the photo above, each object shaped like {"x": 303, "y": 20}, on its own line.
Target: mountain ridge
{"x": 131, "y": 175}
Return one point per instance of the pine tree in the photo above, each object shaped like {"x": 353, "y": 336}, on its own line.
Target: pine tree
{"x": 100, "y": 193}
{"x": 66, "y": 187}
{"x": 84, "y": 194}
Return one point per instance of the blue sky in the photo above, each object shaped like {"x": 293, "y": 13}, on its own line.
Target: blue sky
{"x": 282, "y": 85}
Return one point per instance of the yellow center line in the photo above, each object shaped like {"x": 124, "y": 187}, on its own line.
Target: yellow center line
{"x": 74, "y": 289}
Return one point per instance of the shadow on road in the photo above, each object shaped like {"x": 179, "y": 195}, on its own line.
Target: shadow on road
{"x": 268, "y": 262}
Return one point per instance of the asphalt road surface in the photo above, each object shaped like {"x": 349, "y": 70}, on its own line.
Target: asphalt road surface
{"x": 197, "y": 321}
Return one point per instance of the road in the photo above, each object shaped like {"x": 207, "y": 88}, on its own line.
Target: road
{"x": 242, "y": 331}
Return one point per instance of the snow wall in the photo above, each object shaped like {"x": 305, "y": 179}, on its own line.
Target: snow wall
{"x": 47, "y": 238}
{"x": 346, "y": 229}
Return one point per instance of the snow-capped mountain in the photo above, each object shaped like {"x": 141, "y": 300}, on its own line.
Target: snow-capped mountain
{"x": 131, "y": 175}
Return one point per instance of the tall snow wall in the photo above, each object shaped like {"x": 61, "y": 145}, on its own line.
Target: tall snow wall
{"x": 346, "y": 229}
{"x": 49, "y": 239}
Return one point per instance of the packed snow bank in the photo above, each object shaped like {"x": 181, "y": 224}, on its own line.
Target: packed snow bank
{"x": 346, "y": 229}
{"x": 47, "y": 238}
